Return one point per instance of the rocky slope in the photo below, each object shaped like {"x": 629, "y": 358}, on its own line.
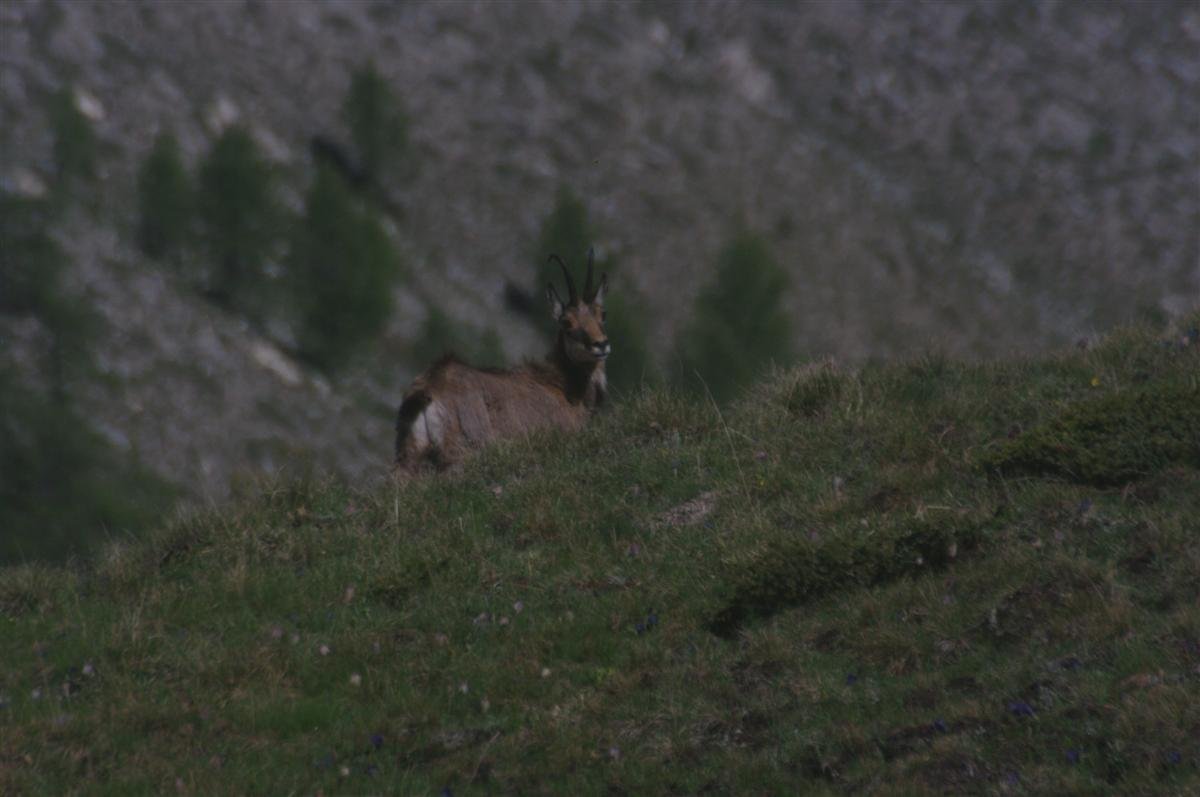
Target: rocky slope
{"x": 983, "y": 175}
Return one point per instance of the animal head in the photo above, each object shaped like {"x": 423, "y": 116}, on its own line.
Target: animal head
{"x": 581, "y": 318}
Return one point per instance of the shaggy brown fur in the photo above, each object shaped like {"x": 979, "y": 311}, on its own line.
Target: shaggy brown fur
{"x": 454, "y": 408}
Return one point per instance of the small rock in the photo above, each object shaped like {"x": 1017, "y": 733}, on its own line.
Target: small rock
{"x": 355, "y": 679}
{"x": 89, "y": 105}
{"x": 464, "y": 687}
{"x": 503, "y": 620}
{"x": 545, "y": 672}
{"x": 1020, "y": 708}
{"x": 88, "y": 670}
{"x": 220, "y": 114}
{"x": 519, "y": 607}
{"x": 276, "y": 633}
{"x": 349, "y": 594}
{"x": 324, "y": 650}
{"x": 344, "y": 771}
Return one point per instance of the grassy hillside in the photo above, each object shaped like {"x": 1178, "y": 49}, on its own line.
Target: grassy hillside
{"x": 929, "y": 576}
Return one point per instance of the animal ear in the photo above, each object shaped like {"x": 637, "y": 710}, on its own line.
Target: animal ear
{"x": 556, "y": 304}
{"x": 598, "y": 296}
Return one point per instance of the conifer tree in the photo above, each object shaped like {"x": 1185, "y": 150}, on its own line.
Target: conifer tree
{"x": 31, "y": 267}
{"x": 739, "y": 325}
{"x": 343, "y": 266}
{"x": 241, "y": 216}
{"x": 76, "y": 150}
{"x": 377, "y": 122}
{"x": 165, "y": 200}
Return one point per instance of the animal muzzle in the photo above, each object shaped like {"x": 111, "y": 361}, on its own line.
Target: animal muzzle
{"x": 601, "y": 349}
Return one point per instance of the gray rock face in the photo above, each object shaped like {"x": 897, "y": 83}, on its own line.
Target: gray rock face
{"x": 988, "y": 175}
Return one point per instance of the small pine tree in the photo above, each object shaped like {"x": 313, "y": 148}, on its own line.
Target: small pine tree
{"x": 76, "y": 150}
{"x": 739, "y": 325}
{"x": 61, "y": 484}
{"x": 165, "y": 200}
{"x": 31, "y": 261}
{"x": 31, "y": 268}
{"x": 240, "y": 213}
{"x": 343, "y": 266}
{"x": 567, "y": 232}
{"x": 440, "y": 335}
{"x": 377, "y": 122}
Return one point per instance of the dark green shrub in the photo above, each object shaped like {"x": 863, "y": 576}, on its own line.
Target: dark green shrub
{"x": 377, "y": 122}
{"x": 567, "y": 232}
{"x": 342, "y": 267}
{"x": 739, "y": 325}
{"x": 789, "y": 573}
{"x": 811, "y": 395}
{"x": 76, "y": 149}
{"x": 1111, "y": 440}
{"x": 165, "y": 200}
{"x": 241, "y": 216}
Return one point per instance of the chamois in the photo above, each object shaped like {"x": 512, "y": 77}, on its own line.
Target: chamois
{"x": 454, "y": 408}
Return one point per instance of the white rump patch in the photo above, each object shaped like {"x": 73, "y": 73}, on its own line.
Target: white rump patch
{"x": 429, "y": 428}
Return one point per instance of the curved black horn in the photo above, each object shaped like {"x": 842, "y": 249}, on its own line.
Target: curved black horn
{"x": 574, "y": 297}
{"x": 588, "y": 292}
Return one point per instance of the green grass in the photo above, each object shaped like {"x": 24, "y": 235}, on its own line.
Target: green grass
{"x": 849, "y": 582}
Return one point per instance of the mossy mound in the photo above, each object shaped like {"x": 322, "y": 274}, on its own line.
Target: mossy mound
{"x": 1111, "y": 440}
{"x": 787, "y": 574}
